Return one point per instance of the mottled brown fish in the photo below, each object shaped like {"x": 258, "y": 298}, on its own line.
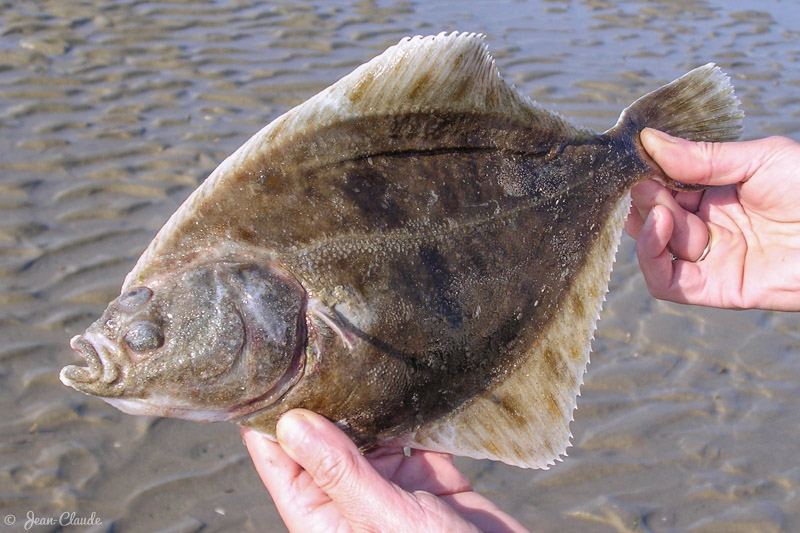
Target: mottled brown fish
{"x": 418, "y": 253}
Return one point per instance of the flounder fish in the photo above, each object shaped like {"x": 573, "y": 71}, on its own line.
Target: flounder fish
{"x": 418, "y": 253}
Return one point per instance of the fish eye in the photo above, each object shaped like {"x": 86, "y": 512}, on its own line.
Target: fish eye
{"x": 144, "y": 337}
{"x": 135, "y": 298}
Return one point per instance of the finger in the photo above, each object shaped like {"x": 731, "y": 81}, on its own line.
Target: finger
{"x": 428, "y": 471}
{"x": 365, "y": 499}
{"x": 703, "y": 162}
{"x": 483, "y": 513}
{"x": 647, "y": 194}
{"x": 690, "y": 201}
{"x": 662, "y": 275}
{"x": 709, "y": 282}
{"x": 651, "y": 249}
{"x": 688, "y": 282}
{"x": 275, "y": 468}
{"x": 688, "y": 235}
{"x": 292, "y": 490}
{"x": 634, "y": 223}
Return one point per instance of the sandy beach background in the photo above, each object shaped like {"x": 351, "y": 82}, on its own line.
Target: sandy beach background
{"x": 111, "y": 112}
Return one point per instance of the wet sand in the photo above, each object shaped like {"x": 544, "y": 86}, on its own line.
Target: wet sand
{"x": 112, "y": 112}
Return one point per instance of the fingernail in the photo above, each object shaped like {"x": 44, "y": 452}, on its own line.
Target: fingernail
{"x": 292, "y": 430}
{"x": 656, "y": 135}
{"x": 656, "y": 215}
{"x": 650, "y": 221}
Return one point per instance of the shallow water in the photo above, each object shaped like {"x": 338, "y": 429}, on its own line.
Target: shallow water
{"x": 112, "y": 112}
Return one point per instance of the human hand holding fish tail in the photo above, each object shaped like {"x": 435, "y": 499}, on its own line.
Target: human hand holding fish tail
{"x": 320, "y": 481}
{"x": 747, "y": 223}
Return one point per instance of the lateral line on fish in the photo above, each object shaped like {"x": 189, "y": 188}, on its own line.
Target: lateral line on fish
{"x": 421, "y": 152}
{"x": 441, "y": 230}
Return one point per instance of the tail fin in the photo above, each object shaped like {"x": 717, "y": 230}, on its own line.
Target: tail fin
{"x": 699, "y": 106}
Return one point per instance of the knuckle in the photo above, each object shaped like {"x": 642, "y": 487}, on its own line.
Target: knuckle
{"x": 708, "y": 153}
{"x": 778, "y": 141}
{"x": 333, "y": 470}
{"x": 433, "y": 512}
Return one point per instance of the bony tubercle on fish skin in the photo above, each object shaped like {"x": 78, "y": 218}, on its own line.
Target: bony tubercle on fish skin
{"x": 424, "y": 253}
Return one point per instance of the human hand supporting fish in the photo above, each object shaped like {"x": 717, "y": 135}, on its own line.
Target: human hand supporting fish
{"x": 320, "y": 481}
{"x": 749, "y": 222}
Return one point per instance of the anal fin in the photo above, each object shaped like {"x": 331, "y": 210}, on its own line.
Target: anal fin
{"x": 524, "y": 420}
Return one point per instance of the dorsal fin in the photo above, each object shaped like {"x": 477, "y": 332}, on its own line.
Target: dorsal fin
{"x": 446, "y": 72}
{"x": 453, "y": 72}
{"x": 524, "y": 419}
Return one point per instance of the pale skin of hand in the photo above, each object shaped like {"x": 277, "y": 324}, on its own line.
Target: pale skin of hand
{"x": 320, "y": 482}
{"x": 751, "y": 211}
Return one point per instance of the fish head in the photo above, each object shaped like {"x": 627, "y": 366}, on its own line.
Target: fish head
{"x": 214, "y": 342}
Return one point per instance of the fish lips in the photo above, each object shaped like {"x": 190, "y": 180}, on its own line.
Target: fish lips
{"x": 101, "y": 375}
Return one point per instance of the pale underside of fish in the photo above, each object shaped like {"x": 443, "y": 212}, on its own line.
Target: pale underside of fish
{"x": 419, "y": 253}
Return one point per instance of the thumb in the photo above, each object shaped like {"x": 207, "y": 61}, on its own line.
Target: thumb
{"x": 704, "y": 163}
{"x": 364, "y": 498}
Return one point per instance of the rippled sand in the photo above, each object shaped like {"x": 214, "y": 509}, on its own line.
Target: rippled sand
{"x": 112, "y": 112}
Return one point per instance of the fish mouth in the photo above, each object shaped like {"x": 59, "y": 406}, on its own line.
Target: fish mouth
{"x": 100, "y": 374}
